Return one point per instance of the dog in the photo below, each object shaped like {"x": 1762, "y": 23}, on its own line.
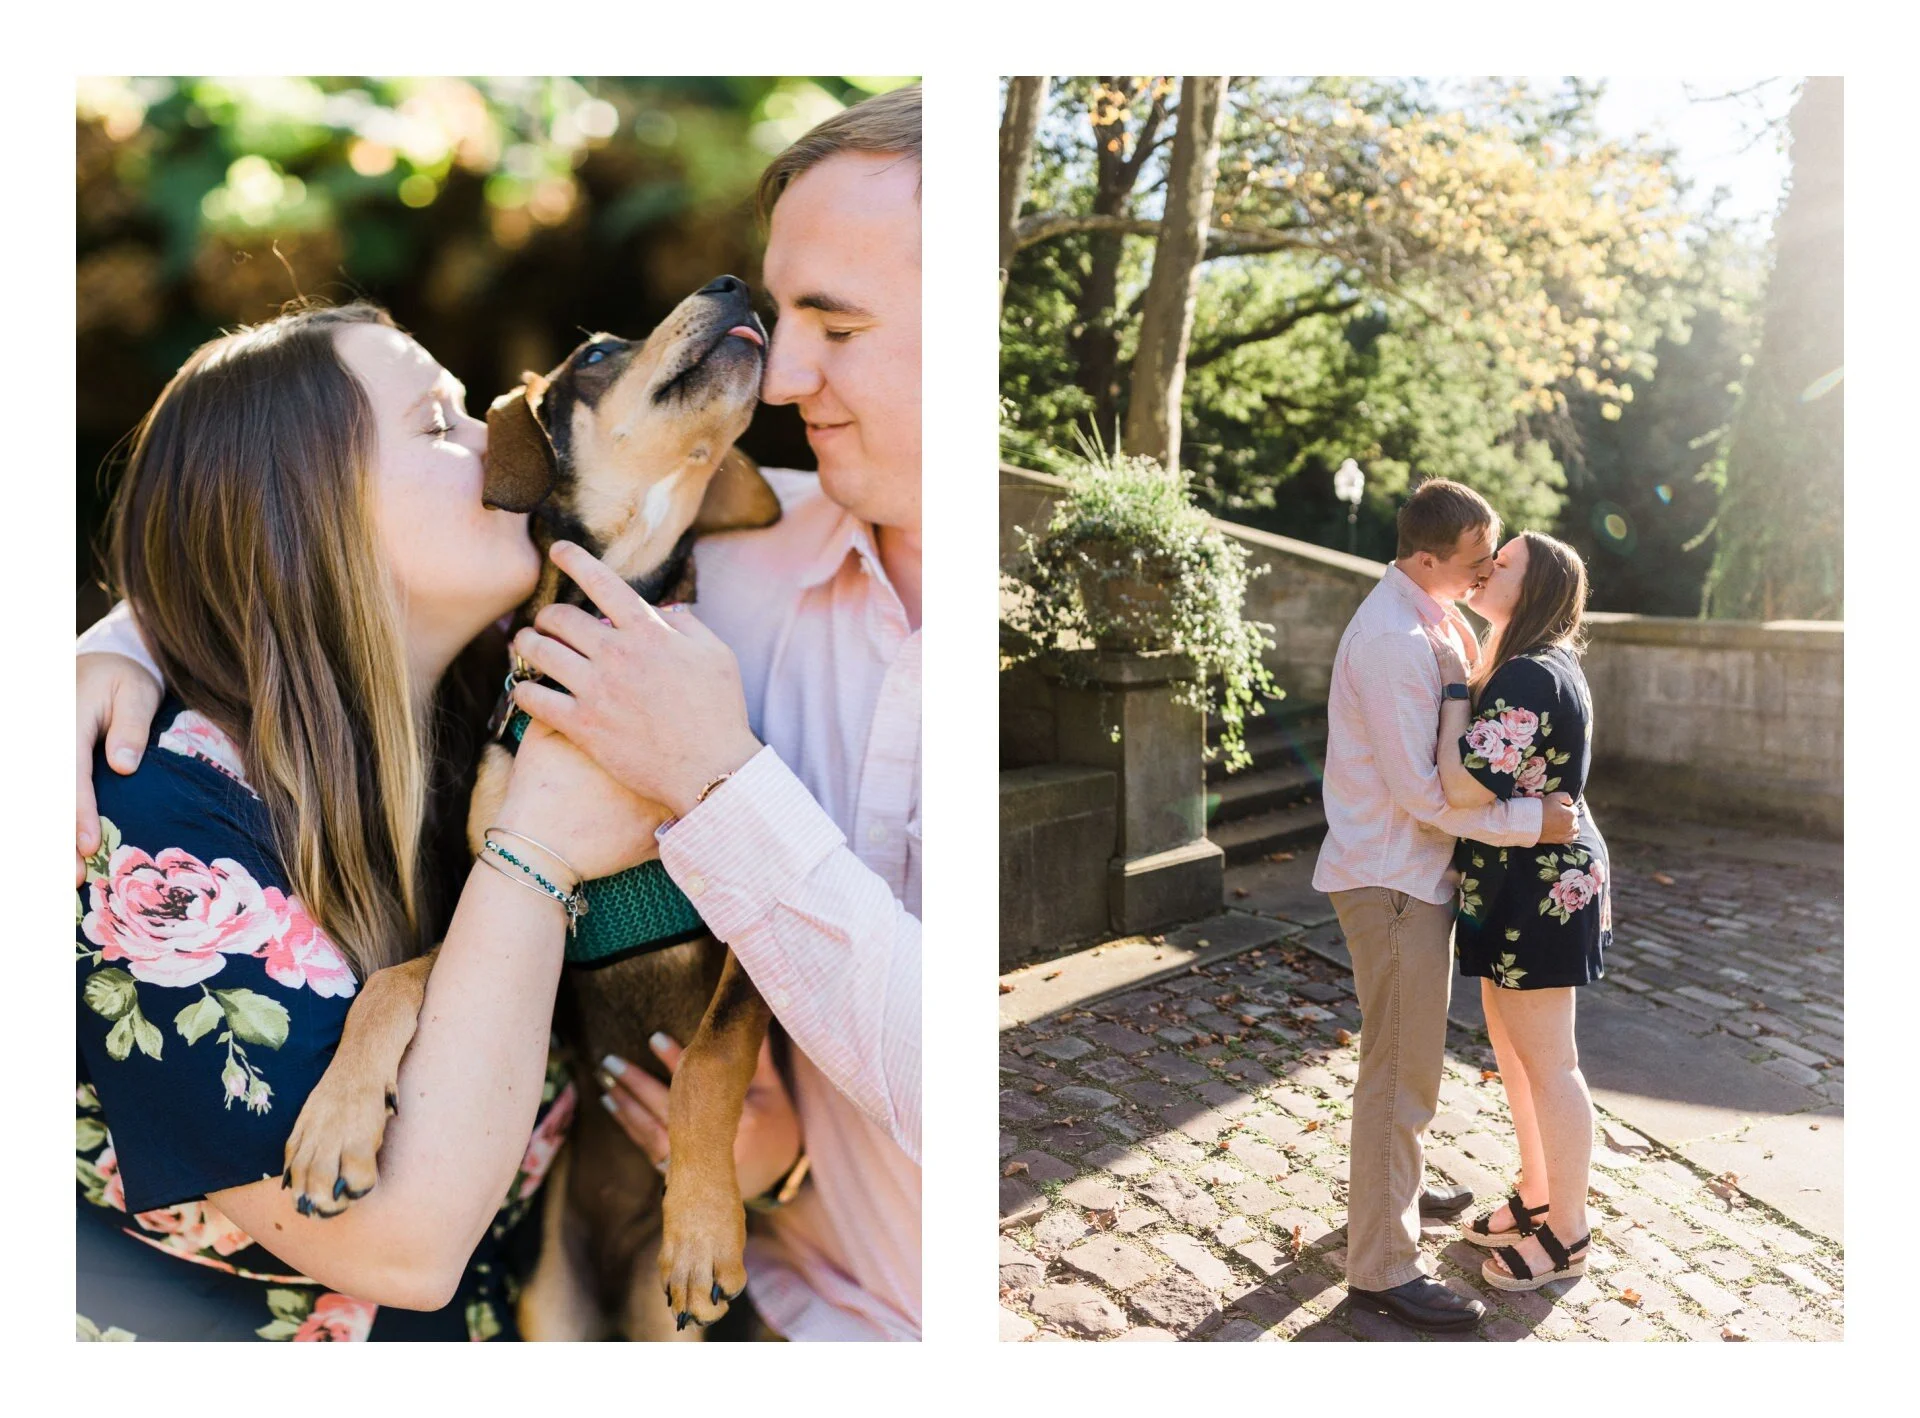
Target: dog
{"x": 625, "y": 449}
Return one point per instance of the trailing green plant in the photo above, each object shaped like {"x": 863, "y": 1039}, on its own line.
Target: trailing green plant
{"x": 1127, "y": 562}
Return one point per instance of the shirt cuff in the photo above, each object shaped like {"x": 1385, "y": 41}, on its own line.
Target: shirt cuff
{"x": 740, "y": 852}
{"x": 118, "y": 633}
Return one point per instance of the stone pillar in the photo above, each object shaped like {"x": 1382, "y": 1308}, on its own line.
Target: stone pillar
{"x": 1123, "y": 717}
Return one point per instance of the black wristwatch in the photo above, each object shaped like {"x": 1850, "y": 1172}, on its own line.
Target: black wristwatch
{"x": 1457, "y": 691}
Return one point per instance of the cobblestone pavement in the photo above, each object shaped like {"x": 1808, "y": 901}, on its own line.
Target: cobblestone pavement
{"x": 1173, "y": 1160}
{"x": 1763, "y": 966}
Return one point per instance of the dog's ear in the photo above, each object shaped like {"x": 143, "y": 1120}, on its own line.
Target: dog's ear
{"x": 520, "y": 458}
{"x": 737, "y": 498}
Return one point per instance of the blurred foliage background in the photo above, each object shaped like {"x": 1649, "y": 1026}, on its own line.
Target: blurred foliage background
{"x": 499, "y": 219}
{"x": 1472, "y": 282}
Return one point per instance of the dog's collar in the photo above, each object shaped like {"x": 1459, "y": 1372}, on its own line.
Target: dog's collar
{"x": 637, "y": 912}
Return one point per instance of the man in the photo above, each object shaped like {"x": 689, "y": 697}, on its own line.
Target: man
{"x": 797, "y": 789}
{"x": 1386, "y": 862}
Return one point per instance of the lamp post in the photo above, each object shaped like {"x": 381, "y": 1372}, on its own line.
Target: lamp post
{"x": 1348, "y": 483}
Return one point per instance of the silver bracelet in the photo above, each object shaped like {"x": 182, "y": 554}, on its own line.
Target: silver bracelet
{"x": 574, "y": 903}
{"x": 509, "y": 832}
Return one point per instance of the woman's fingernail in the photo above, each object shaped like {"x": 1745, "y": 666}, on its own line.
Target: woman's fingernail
{"x": 607, "y": 1102}
{"x": 124, "y": 759}
{"x": 660, "y": 1043}
{"x": 614, "y": 1064}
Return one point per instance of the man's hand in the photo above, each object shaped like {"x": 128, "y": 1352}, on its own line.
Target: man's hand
{"x": 764, "y": 1150}
{"x": 654, "y": 699}
{"x": 1559, "y": 818}
{"x": 117, "y": 698}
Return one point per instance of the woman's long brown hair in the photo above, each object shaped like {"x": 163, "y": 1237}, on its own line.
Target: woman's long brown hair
{"x": 1549, "y": 610}
{"x": 243, "y": 535}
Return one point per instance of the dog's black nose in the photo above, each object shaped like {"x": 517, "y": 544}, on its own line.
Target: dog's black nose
{"x": 725, "y": 285}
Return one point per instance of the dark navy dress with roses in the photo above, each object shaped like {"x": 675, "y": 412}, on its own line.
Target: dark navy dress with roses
{"x": 208, "y": 1004}
{"x": 1539, "y": 917}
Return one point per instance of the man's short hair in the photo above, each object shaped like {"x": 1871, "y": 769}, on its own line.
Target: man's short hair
{"x": 1437, "y": 514}
{"x": 885, "y": 123}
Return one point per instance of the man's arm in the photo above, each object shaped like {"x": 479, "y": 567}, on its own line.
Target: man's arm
{"x": 833, "y": 952}
{"x": 1398, "y": 704}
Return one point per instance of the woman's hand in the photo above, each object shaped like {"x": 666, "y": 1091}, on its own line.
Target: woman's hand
{"x": 117, "y": 698}
{"x": 654, "y": 699}
{"x": 768, "y": 1143}
{"x": 561, "y": 799}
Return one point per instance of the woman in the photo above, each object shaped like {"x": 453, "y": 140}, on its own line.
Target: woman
{"x": 301, "y": 537}
{"x": 1534, "y": 923}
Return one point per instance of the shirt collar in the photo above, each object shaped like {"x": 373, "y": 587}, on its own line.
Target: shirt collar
{"x": 1424, "y": 605}
{"x": 848, "y": 536}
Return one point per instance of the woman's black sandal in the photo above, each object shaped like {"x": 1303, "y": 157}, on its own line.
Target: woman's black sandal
{"x": 1480, "y": 1230}
{"x": 1569, "y": 1262}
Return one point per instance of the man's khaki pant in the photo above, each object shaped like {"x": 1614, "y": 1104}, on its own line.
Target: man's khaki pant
{"x": 1402, "y": 969}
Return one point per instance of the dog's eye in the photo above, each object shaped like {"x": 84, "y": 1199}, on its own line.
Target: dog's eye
{"x": 594, "y": 356}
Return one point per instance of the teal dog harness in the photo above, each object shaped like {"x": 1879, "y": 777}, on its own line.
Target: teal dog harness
{"x": 634, "y": 913}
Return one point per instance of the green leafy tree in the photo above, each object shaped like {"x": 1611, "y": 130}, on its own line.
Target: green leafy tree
{"x": 1779, "y": 531}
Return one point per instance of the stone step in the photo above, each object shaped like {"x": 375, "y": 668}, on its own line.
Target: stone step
{"x": 1252, "y": 792}
{"x": 1251, "y": 838}
{"x": 1301, "y": 739}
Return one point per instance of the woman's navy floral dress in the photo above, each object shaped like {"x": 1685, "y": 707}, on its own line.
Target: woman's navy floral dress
{"x": 1540, "y": 917}
{"x": 208, "y": 1004}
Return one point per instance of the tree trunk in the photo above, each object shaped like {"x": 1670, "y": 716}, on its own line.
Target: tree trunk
{"x": 1096, "y": 344}
{"x": 1026, "y": 98}
{"x": 1166, "y": 319}
{"x": 1780, "y": 549}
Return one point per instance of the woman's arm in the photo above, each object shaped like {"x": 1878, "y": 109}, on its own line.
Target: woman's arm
{"x": 470, "y": 1084}
{"x": 1462, "y": 788}
{"x": 469, "y": 1089}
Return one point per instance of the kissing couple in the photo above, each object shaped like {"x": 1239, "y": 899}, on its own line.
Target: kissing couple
{"x": 1458, "y": 832}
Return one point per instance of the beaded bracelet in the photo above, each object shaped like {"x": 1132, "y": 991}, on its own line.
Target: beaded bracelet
{"x": 573, "y": 903}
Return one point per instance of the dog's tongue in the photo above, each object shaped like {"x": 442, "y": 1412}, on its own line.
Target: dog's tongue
{"x": 747, "y": 332}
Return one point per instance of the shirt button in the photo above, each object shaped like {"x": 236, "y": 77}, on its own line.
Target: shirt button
{"x": 694, "y": 885}
{"x": 877, "y": 833}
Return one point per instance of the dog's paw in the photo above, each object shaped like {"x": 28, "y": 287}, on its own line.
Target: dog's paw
{"x": 702, "y": 1249}
{"x": 331, "y": 1155}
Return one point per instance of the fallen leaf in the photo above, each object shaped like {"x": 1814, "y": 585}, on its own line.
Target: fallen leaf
{"x": 1489, "y": 1075}
{"x": 1024, "y": 1050}
{"x": 1813, "y": 1127}
{"x": 1240, "y": 893}
{"x": 1280, "y": 856}
{"x": 1051, "y": 975}
{"x": 1732, "y": 1335}
{"x": 1014, "y": 1169}
{"x": 1666, "y": 880}
{"x": 1296, "y": 1242}
{"x": 1063, "y": 1122}
{"x": 1104, "y": 1220}
{"x": 1341, "y": 1036}
{"x": 1247, "y": 1019}
{"x": 1005, "y": 988}
{"x": 1038, "y": 1088}
{"x": 1311, "y": 1125}
{"x": 1630, "y": 1297}
{"x": 1158, "y": 954}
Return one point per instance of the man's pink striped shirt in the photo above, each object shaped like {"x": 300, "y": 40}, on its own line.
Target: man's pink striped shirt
{"x": 807, "y": 863}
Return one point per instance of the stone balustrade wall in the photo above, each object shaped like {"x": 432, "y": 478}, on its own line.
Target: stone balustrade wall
{"x": 1716, "y": 720}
